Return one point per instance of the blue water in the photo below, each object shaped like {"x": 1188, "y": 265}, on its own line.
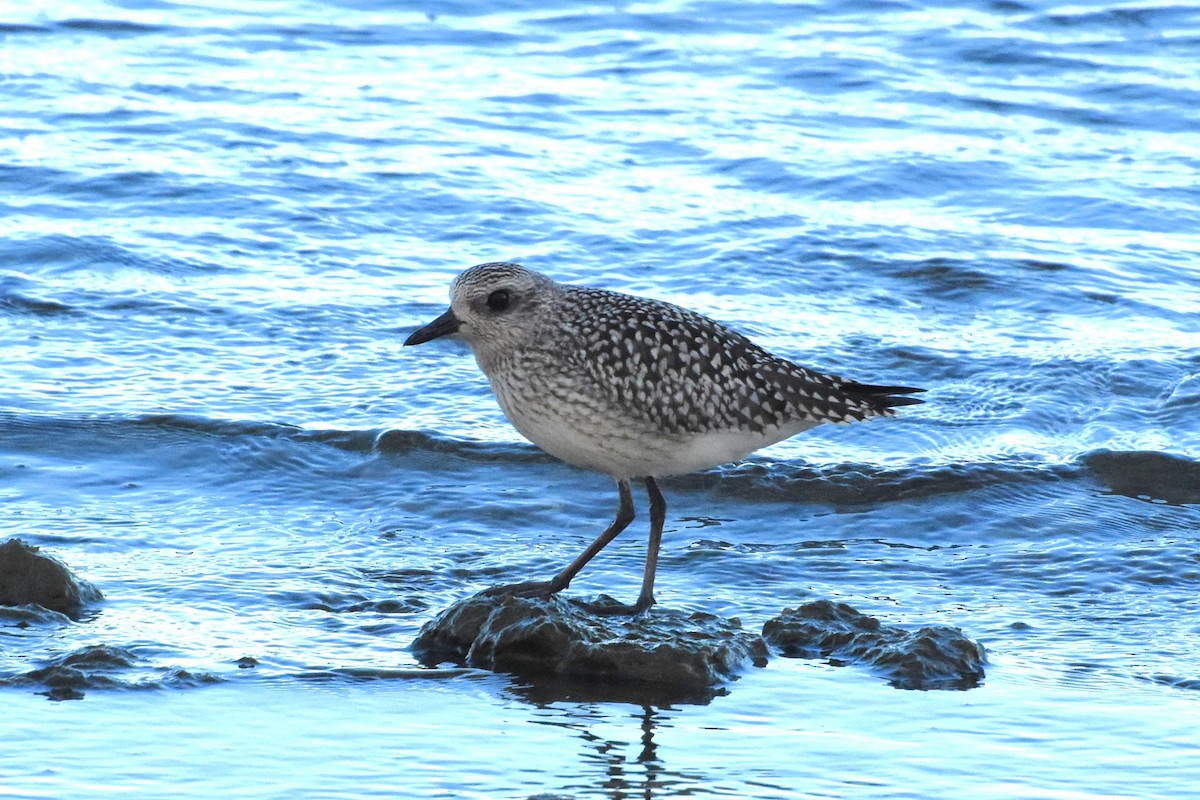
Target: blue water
{"x": 218, "y": 222}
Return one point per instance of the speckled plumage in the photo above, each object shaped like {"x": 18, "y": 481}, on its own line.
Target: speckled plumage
{"x": 688, "y": 374}
{"x": 633, "y": 387}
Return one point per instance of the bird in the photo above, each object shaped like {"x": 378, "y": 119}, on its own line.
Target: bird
{"x": 636, "y": 389}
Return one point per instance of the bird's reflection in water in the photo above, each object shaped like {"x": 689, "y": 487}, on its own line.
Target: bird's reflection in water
{"x": 608, "y": 760}
{"x": 621, "y": 779}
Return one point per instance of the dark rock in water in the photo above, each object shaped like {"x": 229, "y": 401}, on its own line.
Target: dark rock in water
{"x": 28, "y": 577}
{"x": 565, "y": 651}
{"x": 935, "y": 657}
{"x": 662, "y": 656}
{"x": 66, "y": 677}
{"x": 1148, "y": 475}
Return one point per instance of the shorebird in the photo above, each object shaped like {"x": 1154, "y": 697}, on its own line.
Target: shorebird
{"x": 634, "y": 388}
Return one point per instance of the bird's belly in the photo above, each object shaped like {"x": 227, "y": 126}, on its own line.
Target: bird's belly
{"x": 597, "y": 437}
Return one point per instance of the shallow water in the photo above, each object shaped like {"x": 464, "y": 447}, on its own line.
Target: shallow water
{"x": 219, "y": 224}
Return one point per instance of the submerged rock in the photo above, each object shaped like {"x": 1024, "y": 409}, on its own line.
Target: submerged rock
{"x": 1147, "y": 475}
{"x": 29, "y": 577}
{"x": 663, "y": 656}
{"x": 66, "y": 677}
{"x": 934, "y": 657}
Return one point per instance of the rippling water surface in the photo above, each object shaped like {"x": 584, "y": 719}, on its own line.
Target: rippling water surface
{"x": 220, "y": 220}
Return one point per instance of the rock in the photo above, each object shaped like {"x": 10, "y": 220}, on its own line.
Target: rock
{"x": 67, "y": 676}
{"x": 935, "y": 657}
{"x": 662, "y": 656}
{"x": 29, "y": 577}
{"x": 565, "y": 651}
{"x": 1147, "y": 475}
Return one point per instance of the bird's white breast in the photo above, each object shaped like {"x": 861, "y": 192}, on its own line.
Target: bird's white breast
{"x": 586, "y": 433}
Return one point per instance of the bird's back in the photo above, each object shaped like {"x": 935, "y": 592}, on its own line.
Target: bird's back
{"x": 688, "y": 374}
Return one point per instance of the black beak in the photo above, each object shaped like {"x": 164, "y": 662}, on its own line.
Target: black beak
{"x": 444, "y": 325}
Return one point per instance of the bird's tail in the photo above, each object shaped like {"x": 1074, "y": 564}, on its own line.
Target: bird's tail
{"x": 885, "y": 397}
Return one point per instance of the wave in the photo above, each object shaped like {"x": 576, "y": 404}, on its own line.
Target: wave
{"x": 1147, "y": 475}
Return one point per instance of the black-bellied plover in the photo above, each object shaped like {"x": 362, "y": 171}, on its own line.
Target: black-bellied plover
{"x": 634, "y": 388}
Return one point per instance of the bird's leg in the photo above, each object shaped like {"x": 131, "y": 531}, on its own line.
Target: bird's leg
{"x": 658, "y": 515}
{"x": 563, "y": 579}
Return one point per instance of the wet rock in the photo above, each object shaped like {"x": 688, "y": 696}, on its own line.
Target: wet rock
{"x": 29, "y": 577}
{"x": 661, "y": 656}
{"x": 67, "y": 677}
{"x": 1147, "y": 475}
{"x": 1175, "y": 682}
{"x": 934, "y": 657}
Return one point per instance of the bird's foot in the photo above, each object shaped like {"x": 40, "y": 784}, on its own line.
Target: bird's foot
{"x": 524, "y": 589}
{"x": 609, "y": 608}
{"x": 606, "y": 607}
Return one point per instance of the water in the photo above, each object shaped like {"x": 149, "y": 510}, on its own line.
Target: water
{"x": 220, "y": 221}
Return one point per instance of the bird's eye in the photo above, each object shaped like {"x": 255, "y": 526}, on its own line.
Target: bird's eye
{"x": 499, "y": 300}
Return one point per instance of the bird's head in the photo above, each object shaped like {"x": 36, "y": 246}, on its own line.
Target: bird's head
{"x": 493, "y": 307}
